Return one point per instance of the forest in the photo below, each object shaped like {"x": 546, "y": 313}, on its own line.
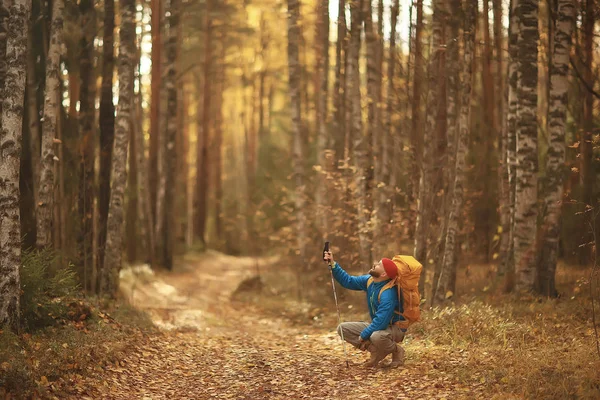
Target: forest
{"x": 170, "y": 170}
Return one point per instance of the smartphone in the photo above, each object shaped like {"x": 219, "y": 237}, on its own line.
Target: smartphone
{"x": 326, "y": 248}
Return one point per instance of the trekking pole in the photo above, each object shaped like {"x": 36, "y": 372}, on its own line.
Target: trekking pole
{"x": 337, "y": 307}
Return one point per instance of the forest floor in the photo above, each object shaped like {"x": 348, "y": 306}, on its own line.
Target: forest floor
{"x": 223, "y": 334}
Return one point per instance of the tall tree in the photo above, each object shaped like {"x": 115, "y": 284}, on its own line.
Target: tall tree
{"x": 156, "y": 19}
{"x": 386, "y": 193}
{"x": 49, "y": 133}
{"x": 488, "y": 205}
{"x": 204, "y": 132}
{"x": 424, "y": 202}
{"x": 586, "y": 146}
{"x": 126, "y": 67}
{"x": 525, "y": 230}
{"x": 509, "y": 137}
{"x": 416, "y": 124}
{"x": 145, "y": 216}
{"x": 361, "y": 144}
{"x": 504, "y": 189}
{"x": 445, "y": 281}
{"x": 170, "y": 137}
{"x": 87, "y": 118}
{"x": 323, "y": 141}
{"x": 11, "y": 120}
{"x": 107, "y": 125}
{"x": 4, "y": 7}
{"x": 557, "y": 120}
{"x": 296, "y": 115}
{"x": 339, "y": 87}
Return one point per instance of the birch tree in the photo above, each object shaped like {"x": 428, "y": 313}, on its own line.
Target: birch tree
{"x": 557, "y": 119}
{"x": 126, "y": 66}
{"x": 45, "y": 206}
{"x": 87, "y": 111}
{"x": 509, "y": 137}
{"x": 107, "y": 125}
{"x": 424, "y": 202}
{"x": 11, "y": 120}
{"x": 525, "y": 226}
{"x": 444, "y": 284}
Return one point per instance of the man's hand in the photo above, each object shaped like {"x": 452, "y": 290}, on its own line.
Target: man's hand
{"x": 328, "y": 257}
{"x": 363, "y": 344}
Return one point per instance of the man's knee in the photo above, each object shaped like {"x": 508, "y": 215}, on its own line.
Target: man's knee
{"x": 341, "y": 328}
{"x": 379, "y": 337}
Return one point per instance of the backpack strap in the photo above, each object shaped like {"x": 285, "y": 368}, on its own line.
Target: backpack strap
{"x": 369, "y": 281}
{"x": 385, "y": 287}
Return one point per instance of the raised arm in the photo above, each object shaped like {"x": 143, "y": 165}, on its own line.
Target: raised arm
{"x": 349, "y": 281}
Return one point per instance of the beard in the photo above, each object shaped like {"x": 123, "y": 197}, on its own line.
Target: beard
{"x": 374, "y": 273}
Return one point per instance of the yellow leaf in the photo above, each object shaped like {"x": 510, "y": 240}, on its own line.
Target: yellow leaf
{"x": 44, "y": 381}
{"x": 449, "y": 294}
{"x": 495, "y": 256}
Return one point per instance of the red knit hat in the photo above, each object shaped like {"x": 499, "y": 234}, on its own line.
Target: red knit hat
{"x": 391, "y": 270}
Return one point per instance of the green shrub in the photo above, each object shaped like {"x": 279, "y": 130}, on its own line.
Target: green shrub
{"x": 44, "y": 295}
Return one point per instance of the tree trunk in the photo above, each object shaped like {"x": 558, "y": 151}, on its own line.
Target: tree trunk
{"x": 145, "y": 208}
{"x": 204, "y": 135}
{"x": 416, "y": 131}
{"x": 339, "y": 86}
{"x": 11, "y": 118}
{"x": 107, "y": 126}
{"x": 131, "y": 221}
{"x": 525, "y": 231}
{"x": 323, "y": 141}
{"x": 557, "y": 120}
{"x": 126, "y": 67}
{"x": 51, "y": 108}
{"x": 488, "y": 205}
{"x": 4, "y": 6}
{"x": 218, "y": 161}
{"x": 170, "y": 164}
{"x": 87, "y": 132}
{"x": 34, "y": 122}
{"x": 503, "y": 186}
{"x": 424, "y": 202}
{"x": 296, "y": 115}
{"x": 156, "y": 19}
{"x": 447, "y": 144}
{"x": 509, "y": 137}
{"x": 386, "y": 193}
{"x": 587, "y": 146}
{"x": 361, "y": 143}
{"x": 445, "y": 283}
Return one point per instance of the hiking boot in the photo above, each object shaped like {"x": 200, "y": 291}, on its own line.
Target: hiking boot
{"x": 397, "y": 358}
{"x": 373, "y": 361}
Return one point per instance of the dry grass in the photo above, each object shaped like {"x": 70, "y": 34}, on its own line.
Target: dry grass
{"x": 29, "y": 362}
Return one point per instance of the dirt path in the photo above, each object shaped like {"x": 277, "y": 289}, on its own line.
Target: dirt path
{"x": 213, "y": 348}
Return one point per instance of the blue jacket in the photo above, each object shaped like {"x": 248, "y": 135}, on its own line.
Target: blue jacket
{"x": 381, "y": 312}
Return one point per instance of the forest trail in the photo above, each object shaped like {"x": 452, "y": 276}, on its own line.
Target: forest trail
{"x": 211, "y": 347}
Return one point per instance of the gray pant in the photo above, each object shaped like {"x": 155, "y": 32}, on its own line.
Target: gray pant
{"x": 382, "y": 342}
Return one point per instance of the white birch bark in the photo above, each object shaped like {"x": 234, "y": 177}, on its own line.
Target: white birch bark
{"x": 12, "y": 94}
{"x": 114, "y": 231}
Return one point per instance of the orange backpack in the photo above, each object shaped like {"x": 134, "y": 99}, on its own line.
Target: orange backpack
{"x": 407, "y": 282}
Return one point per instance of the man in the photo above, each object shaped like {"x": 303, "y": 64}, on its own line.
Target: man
{"x": 387, "y": 327}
